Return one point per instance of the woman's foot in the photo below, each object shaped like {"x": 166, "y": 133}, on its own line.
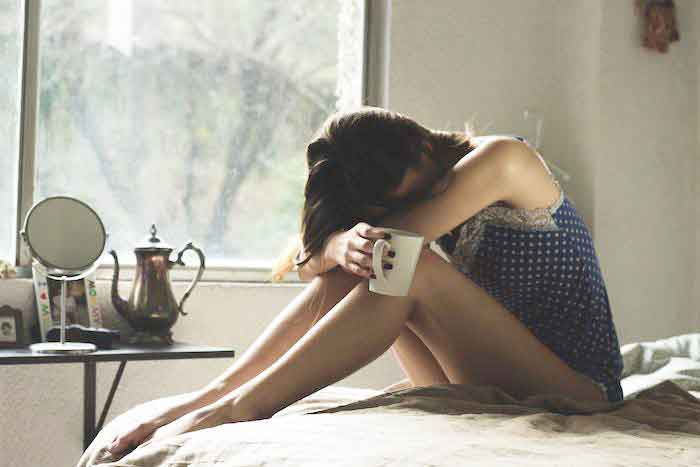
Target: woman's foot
{"x": 239, "y": 409}
{"x": 399, "y": 385}
{"x": 217, "y": 413}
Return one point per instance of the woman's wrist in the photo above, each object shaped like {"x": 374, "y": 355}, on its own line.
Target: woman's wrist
{"x": 328, "y": 257}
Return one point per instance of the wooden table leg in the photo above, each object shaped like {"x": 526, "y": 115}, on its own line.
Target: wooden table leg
{"x": 89, "y": 377}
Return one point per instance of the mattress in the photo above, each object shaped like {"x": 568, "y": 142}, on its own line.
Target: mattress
{"x": 658, "y": 423}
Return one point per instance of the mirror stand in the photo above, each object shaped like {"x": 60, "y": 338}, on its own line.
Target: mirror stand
{"x": 63, "y": 347}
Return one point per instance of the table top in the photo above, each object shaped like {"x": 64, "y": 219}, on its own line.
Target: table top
{"x": 120, "y": 352}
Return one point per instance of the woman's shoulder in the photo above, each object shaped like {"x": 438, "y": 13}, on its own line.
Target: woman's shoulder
{"x": 495, "y": 149}
{"x": 534, "y": 185}
{"x": 483, "y": 138}
{"x": 512, "y": 145}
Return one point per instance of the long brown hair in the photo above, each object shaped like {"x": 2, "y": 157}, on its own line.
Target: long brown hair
{"x": 353, "y": 160}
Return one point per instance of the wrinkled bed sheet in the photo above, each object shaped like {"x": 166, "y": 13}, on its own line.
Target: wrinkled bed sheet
{"x": 658, "y": 423}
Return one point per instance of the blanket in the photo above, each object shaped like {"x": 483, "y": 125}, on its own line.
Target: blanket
{"x": 658, "y": 423}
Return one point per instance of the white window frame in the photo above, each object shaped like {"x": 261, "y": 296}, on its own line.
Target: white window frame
{"x": 375, "y": 79}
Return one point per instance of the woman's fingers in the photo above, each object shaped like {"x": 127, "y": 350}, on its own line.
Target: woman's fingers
{"x": 367, "y": 231}
{"x": 365, "y": 247}
{"x": 362, "y": 259}
{"x": 361, "y": 263}
{"x": 363, "y": 244}
{"x": 358, "y": 255}
{"x": 358, "y": 270}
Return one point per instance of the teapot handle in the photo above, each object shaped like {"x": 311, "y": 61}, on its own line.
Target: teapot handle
{"x": 190, "y": 246}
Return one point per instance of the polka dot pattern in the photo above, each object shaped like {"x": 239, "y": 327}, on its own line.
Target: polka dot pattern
{"x": 548, "y": 275}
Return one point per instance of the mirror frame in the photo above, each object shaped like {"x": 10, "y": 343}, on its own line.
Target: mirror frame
{"x": 47, "y": 264}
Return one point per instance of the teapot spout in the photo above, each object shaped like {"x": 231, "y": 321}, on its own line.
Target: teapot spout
{"x": 119, "y": 303}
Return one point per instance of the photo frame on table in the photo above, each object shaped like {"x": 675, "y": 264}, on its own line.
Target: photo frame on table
{"x": 11, "y": 330}
{"x": 82, "y": 306}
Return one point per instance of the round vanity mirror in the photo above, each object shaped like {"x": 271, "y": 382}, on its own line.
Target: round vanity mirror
{"x": 67, "y": 240}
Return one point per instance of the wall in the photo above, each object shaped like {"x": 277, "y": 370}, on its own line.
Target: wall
{"x": 645, "y": 182}
{"x": 696, "y": 189}
{"x": 620, "y": 119}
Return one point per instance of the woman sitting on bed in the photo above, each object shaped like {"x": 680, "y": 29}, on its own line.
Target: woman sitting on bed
{"x": 521, "y": 303}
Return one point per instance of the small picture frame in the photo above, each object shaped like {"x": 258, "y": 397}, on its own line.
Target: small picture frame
{"x": 11, "y": 330}
{"x": 82, "y": 306}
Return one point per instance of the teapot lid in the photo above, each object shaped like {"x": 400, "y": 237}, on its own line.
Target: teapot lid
{"x": 152, "y": 242}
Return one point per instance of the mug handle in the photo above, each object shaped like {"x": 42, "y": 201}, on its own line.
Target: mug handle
{"x": 377, "y": 253}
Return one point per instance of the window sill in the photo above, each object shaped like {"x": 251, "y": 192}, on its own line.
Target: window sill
{"x": 212, "y": 274}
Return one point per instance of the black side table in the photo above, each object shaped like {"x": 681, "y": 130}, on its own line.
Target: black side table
{"x": 122, "y": 353}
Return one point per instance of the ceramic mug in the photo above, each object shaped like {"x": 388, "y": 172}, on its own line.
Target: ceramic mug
{"x": 397, "y": 280}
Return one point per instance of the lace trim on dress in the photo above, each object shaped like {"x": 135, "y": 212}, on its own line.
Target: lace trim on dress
{"x": 462, "y": 243}
{"x": 531, "y": 216}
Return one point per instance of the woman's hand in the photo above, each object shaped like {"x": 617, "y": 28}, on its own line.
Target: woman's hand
{"x": 352, "y": 249}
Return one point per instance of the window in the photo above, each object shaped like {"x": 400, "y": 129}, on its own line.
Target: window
{"x": 193, "y": 116}
{"x": 11, "y": 31}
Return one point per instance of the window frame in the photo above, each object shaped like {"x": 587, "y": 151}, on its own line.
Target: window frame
{"x": 375, "y": 72}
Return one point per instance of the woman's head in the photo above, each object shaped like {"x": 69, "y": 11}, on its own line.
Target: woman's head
{"x": 366, "y": 162}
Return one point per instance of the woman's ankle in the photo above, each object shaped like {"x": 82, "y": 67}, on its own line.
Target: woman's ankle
{"x": 240, "y": 409}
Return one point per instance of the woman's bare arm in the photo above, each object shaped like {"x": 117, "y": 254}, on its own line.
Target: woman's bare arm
{"x": 318, "y": 264}
{"x": 491, "y": 172}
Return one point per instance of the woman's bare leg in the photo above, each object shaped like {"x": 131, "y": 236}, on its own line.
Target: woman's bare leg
{"x": 478, "y": 341}
{"x": 317, "y": 298}
{"x": 416, "y": 360}
{"x": 472, "y": 335}
{"x": 357, "y": 330}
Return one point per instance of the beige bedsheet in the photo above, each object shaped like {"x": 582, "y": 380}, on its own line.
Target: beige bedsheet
{"x": 450, "y": 425}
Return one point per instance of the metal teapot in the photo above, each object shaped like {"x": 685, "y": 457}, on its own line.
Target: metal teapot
{"x": 152, "y": 308}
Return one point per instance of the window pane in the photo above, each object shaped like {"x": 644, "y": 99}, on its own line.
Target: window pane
{"x": 194, "y": 116}
{"x": 11, "y": 31}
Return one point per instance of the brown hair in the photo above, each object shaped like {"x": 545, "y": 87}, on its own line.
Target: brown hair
{"x": 354, "y": 159}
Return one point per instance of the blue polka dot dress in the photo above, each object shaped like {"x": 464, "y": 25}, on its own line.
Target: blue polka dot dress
{"x": 542, "y": 266}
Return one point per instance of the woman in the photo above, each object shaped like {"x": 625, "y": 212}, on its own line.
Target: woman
{"x": 521, "y": 303}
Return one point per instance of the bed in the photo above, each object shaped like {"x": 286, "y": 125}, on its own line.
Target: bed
{"x": 658, "y": 424}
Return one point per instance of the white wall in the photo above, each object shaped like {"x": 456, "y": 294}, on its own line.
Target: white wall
{"x": 619, "y": 118}
{"x": 696, "y": 189}
{"x": 645, "y": 182}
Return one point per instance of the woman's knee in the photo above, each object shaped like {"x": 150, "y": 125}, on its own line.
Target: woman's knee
{"x": 336, "y": 279}
{"x": 327, "y": 289}
{"x": 425, "y": 275}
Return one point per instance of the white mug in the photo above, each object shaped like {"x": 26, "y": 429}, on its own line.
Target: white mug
{"x": 398, "y": 279}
